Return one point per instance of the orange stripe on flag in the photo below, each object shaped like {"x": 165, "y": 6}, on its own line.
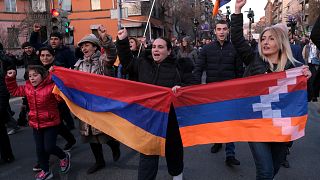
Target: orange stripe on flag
{"x": 118, "y": 128}
{"x": 258, "y": 130}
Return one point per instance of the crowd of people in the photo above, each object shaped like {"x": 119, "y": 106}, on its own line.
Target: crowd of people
{"x": 164, "y": 62}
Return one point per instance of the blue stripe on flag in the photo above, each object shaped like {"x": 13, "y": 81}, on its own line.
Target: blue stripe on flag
{"x": 153, "y": 121}
{"x": 240, "y": 109}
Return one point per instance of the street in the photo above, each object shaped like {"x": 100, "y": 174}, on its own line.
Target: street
{"x": 200, "y": 164}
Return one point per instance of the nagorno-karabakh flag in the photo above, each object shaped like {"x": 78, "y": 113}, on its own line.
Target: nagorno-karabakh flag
{"x": 263, "y": 108}
{"x": 134, "y": 113}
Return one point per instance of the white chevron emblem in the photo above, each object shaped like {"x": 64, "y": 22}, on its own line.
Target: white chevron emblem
{"x": 266, "y": 108}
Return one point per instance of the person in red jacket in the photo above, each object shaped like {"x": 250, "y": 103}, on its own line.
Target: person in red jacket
{"x": 44, "y": 116}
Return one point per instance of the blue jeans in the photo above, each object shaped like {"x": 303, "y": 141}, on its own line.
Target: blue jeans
{"x": 268, "y": 157}
{"x": 230, "y": 149}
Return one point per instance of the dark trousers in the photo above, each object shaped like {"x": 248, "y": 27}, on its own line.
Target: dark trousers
{"x": 312, "y": 94}
{"x": 45, "y": 139}
{"x": 97, "y": 150}
{"x": 66, "y": 115}
{"x": 148, "y": 164}
{"x": 5, "y": 146}
{"x": 65, "y": 133}
{"x": 268, "y": 157}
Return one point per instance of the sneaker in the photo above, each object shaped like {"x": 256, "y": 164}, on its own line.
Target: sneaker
{"x": 44, "y": 175}
{"x": 216, "y": 148}
{"x": 65, "y": 163}
{"x": 69, "y": 146}
{"x": 36, "y": 168}
{"x": 232, "y": 161}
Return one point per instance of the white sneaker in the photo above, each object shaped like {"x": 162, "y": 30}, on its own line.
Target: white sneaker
{"x": 179, "y": 177}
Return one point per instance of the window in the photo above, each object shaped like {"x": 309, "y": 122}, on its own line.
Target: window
{"x": 95, "y": 4}
{"x": 13, "y": 41}
{"x": 38, "y": 5}
{"x": 66, "y": 5}
{"x": 11, "y": 5}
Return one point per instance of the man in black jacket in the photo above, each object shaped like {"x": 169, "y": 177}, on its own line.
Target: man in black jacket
{"x": 29, "y": 57}
{"x": 220, "y": 61}
{"x": 5, "y": 146}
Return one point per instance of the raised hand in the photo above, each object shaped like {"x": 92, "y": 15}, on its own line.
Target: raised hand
{"x": 102, "y": 32}
{"x": 238, "y": 6}
{"x": 122, "y": 34}
{"x": 36, "y": 27}
{"x": 11, "y": 73}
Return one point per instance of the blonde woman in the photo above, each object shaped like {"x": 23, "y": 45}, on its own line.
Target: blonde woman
{"x": 274, "y": 56}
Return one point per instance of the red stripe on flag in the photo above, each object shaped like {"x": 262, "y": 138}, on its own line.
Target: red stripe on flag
{"x": 116, "y": 89}
{"x": 237, "y": 88}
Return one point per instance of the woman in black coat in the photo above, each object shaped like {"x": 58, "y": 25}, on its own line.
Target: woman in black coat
{"x": 162, "y": 69}
{"x": 274, "y": 56}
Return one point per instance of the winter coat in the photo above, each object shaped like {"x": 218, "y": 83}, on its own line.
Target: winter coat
{"x": 193, "y": 55}
{"x": 96, "y": 64}
{"x": 4, "y": 99}
{"x": 27, "y": 60}
{"x": 255, "y": 64}
{"x": 64, "y": 57}
{"x": 6, "y": 63}
{"x": 108, "y": 50}
{"x": 315, "y": 33}
{"x": 221, "y": 62}
{"x": 42, "y": 102}
{"x": 169, "y": 73}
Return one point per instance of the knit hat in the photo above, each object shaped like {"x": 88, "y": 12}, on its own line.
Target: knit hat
{"x": 25, "y": 44}
{"x": 90, "y": 38}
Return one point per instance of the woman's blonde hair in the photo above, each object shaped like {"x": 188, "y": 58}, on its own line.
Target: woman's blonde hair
{"x": 284, "y": 49}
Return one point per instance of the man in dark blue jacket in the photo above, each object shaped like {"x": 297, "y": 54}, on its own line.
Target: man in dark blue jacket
{"x": 220, "y": 61}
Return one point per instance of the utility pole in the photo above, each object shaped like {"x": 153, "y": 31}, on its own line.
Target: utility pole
{"x": 119, "y": 8}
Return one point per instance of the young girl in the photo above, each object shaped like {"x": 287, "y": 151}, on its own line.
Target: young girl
{"x": 43, "y": 116}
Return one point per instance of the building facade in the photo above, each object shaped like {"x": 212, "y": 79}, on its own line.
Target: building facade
{"x": 85, "y": 16}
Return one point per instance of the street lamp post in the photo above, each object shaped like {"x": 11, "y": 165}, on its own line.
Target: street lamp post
{"x": 119, "y": 8}
{"x": 195, "y": 29}
{"x": 251, "y": 19}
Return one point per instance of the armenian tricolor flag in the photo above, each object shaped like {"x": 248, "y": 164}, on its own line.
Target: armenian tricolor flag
{"x": 134, "y": 113}
{"x": 217, "y": 5}
{"x": 263, "y": 108}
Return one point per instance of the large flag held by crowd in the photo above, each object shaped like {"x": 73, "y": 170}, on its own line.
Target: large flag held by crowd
{"x": 264, "y": 108}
